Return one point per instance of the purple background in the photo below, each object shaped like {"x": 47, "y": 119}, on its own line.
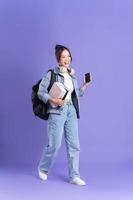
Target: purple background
{"x": 99, "y": 34}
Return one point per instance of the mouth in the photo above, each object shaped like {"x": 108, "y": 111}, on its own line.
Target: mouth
{"x": 66, "y": 63}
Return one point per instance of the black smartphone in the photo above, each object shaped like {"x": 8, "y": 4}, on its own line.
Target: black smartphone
{"x": 87, "y": 77}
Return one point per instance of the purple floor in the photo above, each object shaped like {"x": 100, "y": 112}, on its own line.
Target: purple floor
{"x": 103, "y": 183}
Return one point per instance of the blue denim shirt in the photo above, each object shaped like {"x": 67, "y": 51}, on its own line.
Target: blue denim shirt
{"x": 43, "y": 89}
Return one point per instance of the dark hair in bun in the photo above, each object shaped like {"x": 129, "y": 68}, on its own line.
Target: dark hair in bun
{"x": 58, "y": 51}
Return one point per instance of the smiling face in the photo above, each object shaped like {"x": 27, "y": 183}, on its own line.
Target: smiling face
{"x": 65, "y": 59}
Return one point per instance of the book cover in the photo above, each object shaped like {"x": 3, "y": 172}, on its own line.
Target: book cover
{"x": 58, "y": 91}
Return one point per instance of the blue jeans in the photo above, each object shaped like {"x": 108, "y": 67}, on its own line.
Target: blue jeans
{"x": 66, "y": 123}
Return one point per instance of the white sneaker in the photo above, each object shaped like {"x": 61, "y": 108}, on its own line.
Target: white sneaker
{"x": 42, "y": 175}
{"x": 77, "y": 181}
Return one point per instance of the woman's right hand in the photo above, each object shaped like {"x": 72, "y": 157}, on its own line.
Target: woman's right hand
{"x": 57, "y": 101}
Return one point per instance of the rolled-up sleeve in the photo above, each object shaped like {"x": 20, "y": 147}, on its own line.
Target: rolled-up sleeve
{"x": 80, "y": 91}
{"x": 43, "y": 88}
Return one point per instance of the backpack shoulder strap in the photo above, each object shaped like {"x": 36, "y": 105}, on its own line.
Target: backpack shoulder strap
{"x": 53, "y": 78}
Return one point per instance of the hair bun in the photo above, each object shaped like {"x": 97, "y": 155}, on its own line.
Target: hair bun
{"x": 58, "y": 47}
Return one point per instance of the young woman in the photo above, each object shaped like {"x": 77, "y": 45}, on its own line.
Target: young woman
{"x": 63, "y": 118}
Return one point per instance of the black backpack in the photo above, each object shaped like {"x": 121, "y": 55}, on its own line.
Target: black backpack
{"x": 38, "y": 106}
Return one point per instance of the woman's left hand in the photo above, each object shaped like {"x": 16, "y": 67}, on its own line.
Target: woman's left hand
{"x": 85, "y": 86}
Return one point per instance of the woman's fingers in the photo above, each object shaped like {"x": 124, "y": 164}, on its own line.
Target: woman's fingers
{"x": 61, "y": 102}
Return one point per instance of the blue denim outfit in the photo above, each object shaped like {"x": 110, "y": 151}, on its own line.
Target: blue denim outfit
{"x": 62, "y": 119}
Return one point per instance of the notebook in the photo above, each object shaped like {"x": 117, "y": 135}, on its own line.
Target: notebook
{"x": 58, "y": 90}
